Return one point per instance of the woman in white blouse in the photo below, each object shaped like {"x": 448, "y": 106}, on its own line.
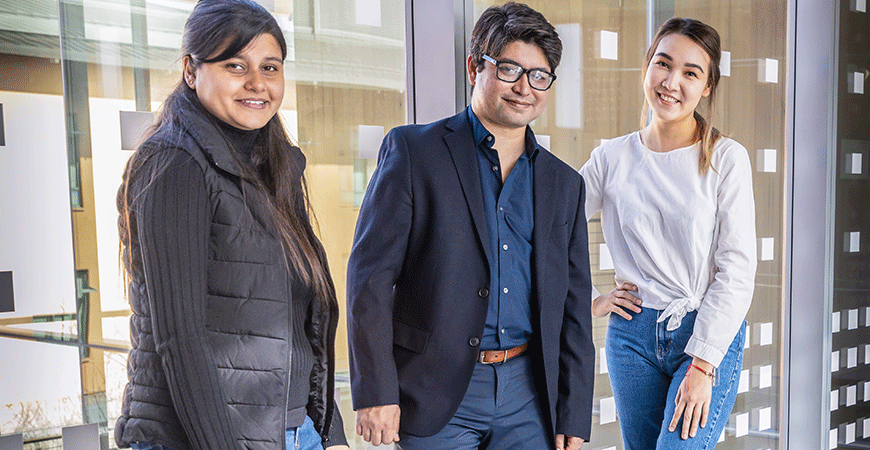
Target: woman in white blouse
{"x": 678, "y": 216}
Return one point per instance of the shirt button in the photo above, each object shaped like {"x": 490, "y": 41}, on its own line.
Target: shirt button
{"x": 502, "y": 331}
{"x": 505, "y": 290}
{"x": 505, "y": 247}
{"x": 489, "y": 138}
{"x": 501, "y": 208}
{"x": 483, "y": 292}
{"x": 474, "y": 342}
{"x": 495, "y": 168}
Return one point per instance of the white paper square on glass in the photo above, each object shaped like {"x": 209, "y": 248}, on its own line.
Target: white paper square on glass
{"x": 741, "y": 427}
{"x": 867, "y": 317}
{"x": 747, "y": 337}
{"x": 368, "y": 12}
{"x": 725, "y": 64}
{"x": 866, "y": 353}
{"x": 743, "y": 386}
{"x": 765, "y": 376}
{"x": 543, "y": 140}
{"x": 851, "y": 395}
{"x": 722, "y": 437}
{"x": 832, "y": 439}
{"x": 850, "y": 433}
{"x": 855, "y": 83}
{"x": 370, "y": 137}
{"x": 766, "y": 333}
{"x": 835, "y": 361}
{"x": 835, "y": 400}
{"x": 852, "y": 357}
{"x": 853, "y": 319}
{"x": 764, "y": 419}
{"x": 607, "y": 410}
{"x": 602, "y": 361}
{"x": 765, "y": 252}
{"x": 853, "y": 163}
{"x": 852, "y": 242}
{"x": 866, "y": 428}
{"x": 602, "y": 141}
{"x": 569, "y": 102}
{"x": 867, "y": 391}
{"x": 766, "y": 160}
{"x": 835, "y": 322}
{"x": 609, "y": 45}
{"x": 768, "y": 70}
{"x": 858, "y": 5}
{"x": 605, "y": 261}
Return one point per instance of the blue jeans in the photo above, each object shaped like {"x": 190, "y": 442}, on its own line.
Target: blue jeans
{"x": 303, "y": 437}
{"x": 500, "y": 410}
{"x": 647, "y": 363}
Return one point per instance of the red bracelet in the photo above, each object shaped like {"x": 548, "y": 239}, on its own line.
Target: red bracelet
{"x": 709, "y": 374}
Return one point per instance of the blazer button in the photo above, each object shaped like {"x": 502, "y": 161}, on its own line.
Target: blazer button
{"x": 474, "y": 342}
{"x": 483, "y": 293}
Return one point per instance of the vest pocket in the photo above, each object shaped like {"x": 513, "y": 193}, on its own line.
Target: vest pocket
{"x": 409, "y": 337}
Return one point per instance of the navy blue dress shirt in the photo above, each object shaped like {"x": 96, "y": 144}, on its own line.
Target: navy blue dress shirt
{"x": 510, "y": 220}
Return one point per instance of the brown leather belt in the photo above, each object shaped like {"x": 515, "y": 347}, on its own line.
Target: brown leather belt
{"x": 500, "y": 356}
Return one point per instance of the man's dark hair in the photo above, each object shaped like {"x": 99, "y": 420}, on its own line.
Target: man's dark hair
{"x": 499, "y": 26}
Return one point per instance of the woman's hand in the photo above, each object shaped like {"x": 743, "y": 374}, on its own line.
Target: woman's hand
{"x": 338, "y": 447}
{"x": 693, "y": 399}
{"x": 616, "y": 301}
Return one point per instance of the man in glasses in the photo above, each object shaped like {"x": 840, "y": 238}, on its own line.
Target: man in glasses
{"x": 468, "y": 283}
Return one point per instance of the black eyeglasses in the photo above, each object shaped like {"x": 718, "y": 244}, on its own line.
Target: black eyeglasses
{"x": 509, "y": 72}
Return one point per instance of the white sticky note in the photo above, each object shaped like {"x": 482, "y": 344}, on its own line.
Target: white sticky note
{"x": 741, "y": 427}
{"x": 852, "y": 242}
{"x": 609, "y": 45}
{"x": 867, "y": 317}
{"x": 853, "y": 319}
{"x": 722, "y": 437}
{"x": 858, "y": 5}
{"x": 602, "y": 361}
{"x": 766, "y": 333}
{"x": 835, "y": 361}
{"x": 852, "y": 357}
{"x": 602, "y": 141}
{"x": 850, "y": 433}
{"x": 851, "y": 395}
{"x": 607, "y": 410}
{"x": 853, "y": 163}
{"x": 765, "y": 249}
{"x": 835, "y": 322}
{"x": 765, "y": 376}
{"x": 569, "y": 102}
{"x": 766, "y": 160}
{"x": 768, "y": 70}
{"x": 370, "y": 137}
{"x": 867, "y": 354}
{"x": 743, "y": 386}
{"x": 543, "y": 141}
{"x": 368, "y": 12}
{"x": 867, "y": 391}
{"x": 748, "y": 339}
{"x": 866, "y": 428}
{"x": 835, "y": 400}
{"x": 855, "y": 83}
{"x": 605, "y": 261}
{"x": 764, "y": 419}
{"x": 832, "y": 439}
{"x": 725, "y": 64}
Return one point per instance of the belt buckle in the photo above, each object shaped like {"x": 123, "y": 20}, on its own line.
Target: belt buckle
{"x": 482, "y": 355}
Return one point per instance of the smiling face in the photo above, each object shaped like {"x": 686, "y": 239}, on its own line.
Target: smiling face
{"x": 508, "y": 105}
{"x": 244, "y": 91}
{"x": 676, "y": 79}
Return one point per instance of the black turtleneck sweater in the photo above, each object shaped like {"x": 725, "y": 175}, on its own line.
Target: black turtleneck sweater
{"x": 183, "y": 183}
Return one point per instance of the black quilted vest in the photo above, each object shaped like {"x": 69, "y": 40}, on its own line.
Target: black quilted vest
{"x": 247, "y": 316}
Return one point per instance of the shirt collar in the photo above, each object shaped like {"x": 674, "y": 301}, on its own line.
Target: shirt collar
{"x": 483, "y": 136}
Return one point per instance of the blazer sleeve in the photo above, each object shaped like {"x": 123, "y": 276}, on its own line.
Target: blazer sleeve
{"x": 577, "y": 353}
{"x": 376, "y": 260}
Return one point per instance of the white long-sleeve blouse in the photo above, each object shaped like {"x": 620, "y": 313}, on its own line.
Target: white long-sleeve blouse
{"x": 686, "y": 240}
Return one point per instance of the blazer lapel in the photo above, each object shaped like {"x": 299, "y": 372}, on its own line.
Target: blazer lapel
{"x": 460, "y": 143}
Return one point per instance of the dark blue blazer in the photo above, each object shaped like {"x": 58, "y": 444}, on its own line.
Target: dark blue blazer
{"x": 418, "y": 280}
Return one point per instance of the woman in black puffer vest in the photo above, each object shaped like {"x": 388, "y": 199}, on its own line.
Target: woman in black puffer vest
{"x": 234, "y": 310}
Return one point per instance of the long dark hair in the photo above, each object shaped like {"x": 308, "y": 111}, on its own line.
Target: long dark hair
{"x": 215, "y": 31}
{"x": 708, "y": 39}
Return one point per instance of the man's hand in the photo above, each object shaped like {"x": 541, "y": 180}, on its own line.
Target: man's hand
{"x": 568, "y": 442}
{"x": 378, "y": 424}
